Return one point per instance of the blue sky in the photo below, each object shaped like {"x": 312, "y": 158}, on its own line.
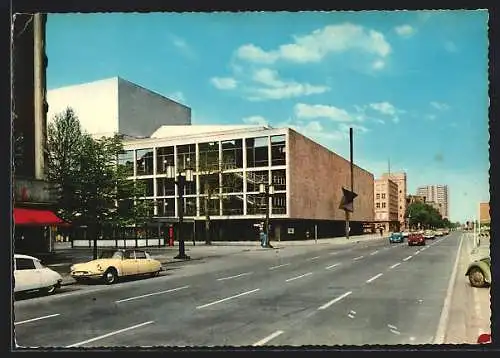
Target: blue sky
{"x": 412, "y": 84}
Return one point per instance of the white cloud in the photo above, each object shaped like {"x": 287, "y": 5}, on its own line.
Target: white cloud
{"x": 431, "y": 117}
{"x": 387, "y": 109}
{"x": 177, "y": 96}
{"x": 404, "y": 30}
{"x": 308, "y": 111}
{"x": 440, "y": 106}
{"x": 280, "y": 89}
{"x": 314, "y": 130}
{"x": 319, "y": 43}
{"x": 355, "y": 127}
{"x": 259, "y": 120}
{"x": 378, "y": 65}
{"x": 182, "y": 45}
{"x": 224, "y": 83}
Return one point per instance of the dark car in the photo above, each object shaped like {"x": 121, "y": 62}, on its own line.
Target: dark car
{"x": 416, "y": 239}
{"x": 396, "y": 237}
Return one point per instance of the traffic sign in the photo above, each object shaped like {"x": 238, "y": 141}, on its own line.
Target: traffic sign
{"x": 347, "y": 202}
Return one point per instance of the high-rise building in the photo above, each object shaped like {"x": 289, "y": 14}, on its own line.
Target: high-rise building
{"x": 436, "y": 194}
{"x": 400, "y": 180}
{"x": 386, "y": 204}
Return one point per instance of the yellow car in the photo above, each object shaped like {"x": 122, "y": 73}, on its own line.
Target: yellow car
{"x": 115, "y": 264}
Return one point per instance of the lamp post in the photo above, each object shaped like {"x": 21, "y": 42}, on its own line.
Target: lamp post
{"x": 181, "y": 178}
{"x": 268, "y": 190}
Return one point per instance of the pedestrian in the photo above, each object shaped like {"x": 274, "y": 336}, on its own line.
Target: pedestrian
{"x": 381, "y": 231}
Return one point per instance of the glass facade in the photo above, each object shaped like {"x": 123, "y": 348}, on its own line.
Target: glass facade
{"x": 226, "y": 180}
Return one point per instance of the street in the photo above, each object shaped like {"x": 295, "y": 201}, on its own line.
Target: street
{"x": 371, "y": 293}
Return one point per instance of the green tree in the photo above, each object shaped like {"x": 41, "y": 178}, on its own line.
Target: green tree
{"x": 425, "y": 215}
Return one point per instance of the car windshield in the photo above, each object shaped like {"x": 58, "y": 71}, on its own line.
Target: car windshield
{"x": 111, "y": 255}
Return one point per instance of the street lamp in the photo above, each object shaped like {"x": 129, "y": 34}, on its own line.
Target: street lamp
{"x": 180, "y": 178}
{"x": 268, "y": 190}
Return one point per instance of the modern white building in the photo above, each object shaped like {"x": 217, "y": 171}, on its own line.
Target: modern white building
{"x": 110, "y": 106}
{"x": 232, "y": 161}
{"x": 437, "y": 194}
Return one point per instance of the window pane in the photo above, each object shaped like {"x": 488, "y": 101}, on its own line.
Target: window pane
{"x": 209, "y": 156}
{"x": 256, "y": 204}
{"x": 255, "y": 178}
{"x": 257, "y": 152}
{"x": 211, "y": 205}
{"x": 186, "y": 156}
{"x": 166, "y": 207}
{"x": 279, "y": 203}
{"x": 25, "y": 264}
{"x": 164, "y": 158}
{"x": 126, "y": 161}
{"x": 165, "y": 187}
{"x": 232, "y": 182}
{"x": 147, "y": 186}
{"x": 140, "y": 255}
{"x": 232, "y": 205}
{"x": 279, "y": 179}
{"x": 189, "y": 206}
{"x": 278, "y": 150}
{"x": 145, "y": 161}
{"x": 232, "y": 153}
{"x": 209, "y": 182}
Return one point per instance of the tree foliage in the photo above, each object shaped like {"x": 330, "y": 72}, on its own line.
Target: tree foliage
{"x": 426, "y": 215}
{"x": 93, "y": 188}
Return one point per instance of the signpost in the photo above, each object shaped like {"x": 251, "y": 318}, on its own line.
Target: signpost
{"x": 347, "y": 202}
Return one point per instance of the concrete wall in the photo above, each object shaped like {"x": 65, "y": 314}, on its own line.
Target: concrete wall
{"x": 95, "y": 104}
{"x": 316, "y": 179}
{"x": 142, "y": 112}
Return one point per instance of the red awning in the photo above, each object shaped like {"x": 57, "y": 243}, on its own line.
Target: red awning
{"x": 23, "y": 216}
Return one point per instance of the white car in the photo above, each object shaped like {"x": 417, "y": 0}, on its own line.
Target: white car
{"x": 31, "y": 275}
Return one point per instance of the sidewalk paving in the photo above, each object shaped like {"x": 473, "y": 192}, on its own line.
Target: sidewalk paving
{"x": 469, "y": 311}
{"x": 65, "y": 256}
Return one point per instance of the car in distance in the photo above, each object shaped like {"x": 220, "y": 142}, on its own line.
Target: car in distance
{"x": 479, "y": 272}
{"x": 31, "y": 275}
{"x": 406, "y": 234}
{"x": 416, "y": 239}
{"x": 396, "y": 237}
{"x": 429, "y": 234}
{"x": 115, "y": 264}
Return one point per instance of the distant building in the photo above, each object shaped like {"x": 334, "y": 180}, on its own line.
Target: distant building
{"x": 484, "y": 213}
{"x": 307, "y": 180}
{"x": 110, "y": 106}
{"x": 437, "y": 194}
{"x": 400, "y": 180}
{"x": 410, "y": 199}
{"x": 386, "y": 204}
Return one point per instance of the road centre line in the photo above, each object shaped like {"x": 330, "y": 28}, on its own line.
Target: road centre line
{"x": 152, "y": 294}
{"x": 235, "y": 276}
{"x": 228, "y": 298}
{"x": 374, "y": 252}
{"x": 407, "y": 258}
{"x": 358, "y": 258}
{"x": 395, "y": 265}
{"x": 36, "y": 319}
{"x": 268, "y": 338}
{"x": 109, "y": 334}
{"x": 313, "y": 258}
{"x": 278, "y": 266}
{"x": 328, "y": 304}
{"x": 332, "y": 266}
{"x": 297, "y": 277}
{"x": 374, "y": 278}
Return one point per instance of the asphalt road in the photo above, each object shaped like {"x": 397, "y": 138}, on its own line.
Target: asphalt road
{"x": 369, "y": 293}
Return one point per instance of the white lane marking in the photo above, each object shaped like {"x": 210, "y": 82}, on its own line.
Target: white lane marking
{"x": 235, "y": 276}
{"x": 374, "y": 278}
{"x": 412, "y": 339}
{"x": 297, "y": 277}
{"x": 313, "y": 258}
{"x": 395, "y": 331}
{"x": 152, "y": 294}
{"x": 392, "y": 326}
{"x": 374, "y": 252}
{"x": 395, "y": 265}
{"x": 278, "y": 266}
{"x": 328, "y": 304}
{"x": 109, "y": 334}
{"x": 351, "y": 314}
{"x": 333, "y": 253}
{"x": 445, "y": 313}
{"x": 358, "y": 258}
{"x": 37, "y": 319}
{"x": 332, "y": 266}
{"x": 228, "y": 298}
{"x": 268, "y": 338}
{"x": 407, "y": 258}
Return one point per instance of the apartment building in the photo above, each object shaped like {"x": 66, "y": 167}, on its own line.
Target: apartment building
{"x": 386, "y": 204}
{"x": 410, "y": 199}
{"x": 484, "y": 213}
{"x": 400, "y": 179}
{"x": 438, "y": 194}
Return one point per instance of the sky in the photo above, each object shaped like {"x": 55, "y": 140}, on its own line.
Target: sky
{"x": 413, "y": 85}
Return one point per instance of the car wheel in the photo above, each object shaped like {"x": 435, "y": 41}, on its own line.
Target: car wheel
{"x": 50, "y": 290}
{"x": 110, "y": 276}
{"x": 476, "y": 277}
{"x": 154, "y": 274}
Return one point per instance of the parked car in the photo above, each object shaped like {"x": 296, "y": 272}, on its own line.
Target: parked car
{"x": 479, "y": 272}
{"x": 115, "y": 264}
{"x": 416, "y": 239}
{"x": 406, "y": 234}
{"x": 396, "y": 237}
{"x": 429, "y": 234}
{"x": 31, "y": 275}
{"x": 446, "y": 231}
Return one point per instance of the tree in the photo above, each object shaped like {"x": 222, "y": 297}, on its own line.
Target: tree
{"x": 425, "y": 215}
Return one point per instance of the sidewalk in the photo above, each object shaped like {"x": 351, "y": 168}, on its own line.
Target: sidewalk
{"x": 469, "y": 310}
{"x": 65, "y": 256}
